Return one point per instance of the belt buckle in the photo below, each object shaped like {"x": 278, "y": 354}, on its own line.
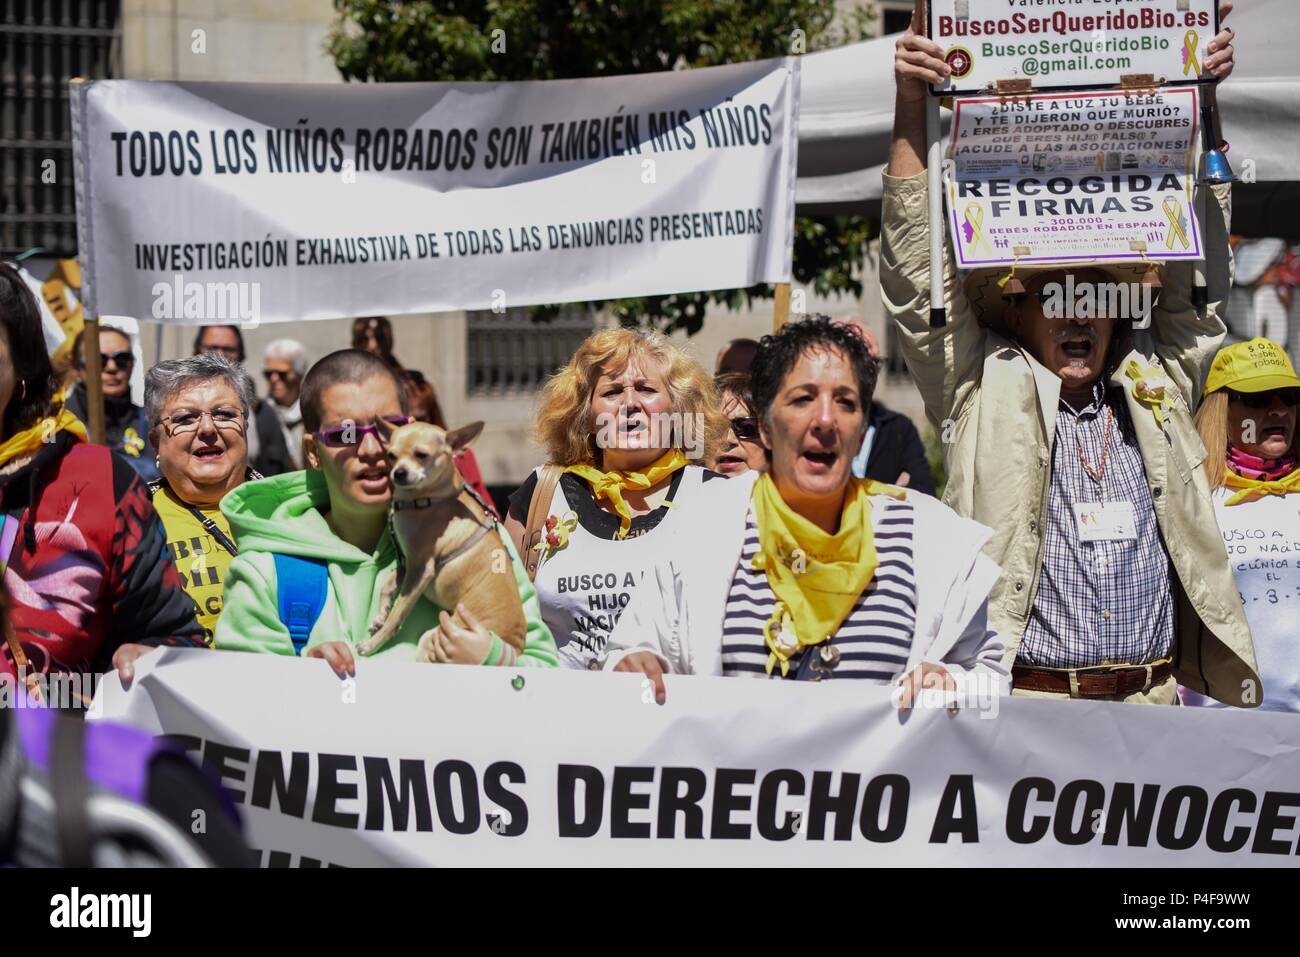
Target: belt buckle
{"x": 1107, "y": 677}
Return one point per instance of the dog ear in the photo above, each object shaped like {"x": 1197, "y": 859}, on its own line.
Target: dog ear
{"x": 459, "y": 439}
{"x": 385, "y": 429}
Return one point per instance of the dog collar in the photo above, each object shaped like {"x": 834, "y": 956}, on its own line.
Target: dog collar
{"x": 413, "y": 503}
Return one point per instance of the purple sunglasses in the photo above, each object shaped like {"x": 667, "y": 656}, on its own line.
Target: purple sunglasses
{"x": 336, "y": 437}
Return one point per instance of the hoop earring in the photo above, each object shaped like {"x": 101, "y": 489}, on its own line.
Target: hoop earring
{"x": 23, "y": 385}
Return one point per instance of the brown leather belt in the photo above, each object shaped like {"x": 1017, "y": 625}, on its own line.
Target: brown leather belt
{"x": 1101, "y": 682}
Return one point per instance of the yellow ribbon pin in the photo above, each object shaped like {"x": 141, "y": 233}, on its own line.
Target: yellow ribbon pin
{"x": 974, "y": 214}
{"x": 778, "y": 635}
{"x": 132, "y": 444}
{"x": 1173, "y": 210}
{"x": 1151, "y": 388}
{"x": 1190, "y": 63}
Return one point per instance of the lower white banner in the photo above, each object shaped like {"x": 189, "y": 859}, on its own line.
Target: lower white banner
{"x": 413, "y": 764}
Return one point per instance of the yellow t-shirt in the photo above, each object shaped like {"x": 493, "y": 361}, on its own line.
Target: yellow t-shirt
{"x": 200, "y": 560}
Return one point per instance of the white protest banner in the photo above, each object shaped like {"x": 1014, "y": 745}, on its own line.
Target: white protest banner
{"x": 418, "y": 764}
{"x": 1067, "y": 177}
{"x": 1058, "y": 44}
{"x": 201, "y": 202}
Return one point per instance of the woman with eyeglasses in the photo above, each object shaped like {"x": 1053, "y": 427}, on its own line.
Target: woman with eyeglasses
{"x": 1247, "y": 422}
{"x": 316, "y": 548}
{"x": 125, "y": 427}
{"x": 81, "y": 550}
{"x": 198, "y": 410}
{"x": 742, "y": 450}
{"x": 628, "y": 424}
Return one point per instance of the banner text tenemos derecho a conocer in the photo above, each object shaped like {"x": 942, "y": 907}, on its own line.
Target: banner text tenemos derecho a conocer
{"x": 411, "y": 764}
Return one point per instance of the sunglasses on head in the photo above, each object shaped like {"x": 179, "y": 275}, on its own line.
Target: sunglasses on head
{"x": 342, "y": 436}
{"x": 1262, "y": 400}
{"x": 745, "y": 427}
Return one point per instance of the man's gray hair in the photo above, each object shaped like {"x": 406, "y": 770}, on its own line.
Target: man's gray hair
{"x": 167, "y": 378}
{"x": 290, "y": 350}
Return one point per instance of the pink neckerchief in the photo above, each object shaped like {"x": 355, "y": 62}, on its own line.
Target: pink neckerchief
{"x": 1253, "y": 467}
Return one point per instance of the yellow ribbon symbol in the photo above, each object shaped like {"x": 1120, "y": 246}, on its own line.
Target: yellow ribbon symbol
{"x": 974, "y": 214}
{"x": 1173, "y": 209}
{"x": 132, "y": 444}
{"x": 1190, "y": 63}
{"x": 1151, "y": 388}
{"x": 779, "y": 636}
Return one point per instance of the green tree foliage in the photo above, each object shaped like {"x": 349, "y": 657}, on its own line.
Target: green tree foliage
{"x": 395, "y": 41}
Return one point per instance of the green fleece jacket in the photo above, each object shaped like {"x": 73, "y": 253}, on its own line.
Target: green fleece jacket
{"x": 285, "y": 514}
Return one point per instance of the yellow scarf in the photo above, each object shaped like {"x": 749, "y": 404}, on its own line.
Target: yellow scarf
{"x": 611, "y": 485}
{"x": 29, "y": 440}
{"x": 1252, "y": 489}
{"x": 817, "y": 578}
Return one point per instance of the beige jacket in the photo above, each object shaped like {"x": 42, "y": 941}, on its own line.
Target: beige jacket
{"x": 994, "y": 407}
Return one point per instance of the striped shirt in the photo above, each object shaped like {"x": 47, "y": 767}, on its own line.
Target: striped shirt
{"x": 874, "y": 639}
{"x": 1107, "y": 600}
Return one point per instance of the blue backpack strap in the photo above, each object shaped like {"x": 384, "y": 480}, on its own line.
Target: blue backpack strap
{"x": 302, "y": 585}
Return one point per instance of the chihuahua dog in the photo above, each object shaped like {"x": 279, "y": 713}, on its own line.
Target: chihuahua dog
{"x": 449, "y": 549}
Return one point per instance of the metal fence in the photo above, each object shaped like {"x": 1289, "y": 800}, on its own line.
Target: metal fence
{"x": 510, "y": 354}
{"x": 44, "y": 43}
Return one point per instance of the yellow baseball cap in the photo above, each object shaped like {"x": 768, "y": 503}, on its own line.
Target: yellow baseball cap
{"x": 1256, "y": 365}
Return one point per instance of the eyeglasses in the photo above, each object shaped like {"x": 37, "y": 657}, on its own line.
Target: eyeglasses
{"x": 188, "y": 420}
{"x": 1262, "y": 400}
{"x": 273, "y": 374}
{"x": 231, "y": 351}
{"x": 123, "y": 360}
{"x": 746, "y": 428}
{"x": 341, "y": 436}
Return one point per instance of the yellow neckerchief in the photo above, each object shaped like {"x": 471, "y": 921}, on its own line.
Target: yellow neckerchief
{"x": 1252, "y": 489}
{"x": 611, "y": 485}
{"x": 29, "y": 440}
{"x": 817, "y": 578}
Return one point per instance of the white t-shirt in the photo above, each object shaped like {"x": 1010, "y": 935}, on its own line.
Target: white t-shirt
{"x": 584, "y": 587}
{"x": 1263, "y": 541}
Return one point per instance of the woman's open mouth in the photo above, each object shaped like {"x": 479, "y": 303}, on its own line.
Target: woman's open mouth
{"x": 208, "y": 454}
{"x": 731, "y": 463}
{"x": 819, "y": 461}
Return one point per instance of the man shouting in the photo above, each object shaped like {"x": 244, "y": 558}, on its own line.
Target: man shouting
{"x": 1072, "y": 439}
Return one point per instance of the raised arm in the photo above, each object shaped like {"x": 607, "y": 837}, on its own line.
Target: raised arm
{"x": 944, "y": 362}
{"x": 1185, "y": 342}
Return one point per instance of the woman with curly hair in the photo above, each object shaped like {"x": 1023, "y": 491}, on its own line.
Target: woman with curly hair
{"x": 806, "y": 572}
{"x": 625, "y": 424}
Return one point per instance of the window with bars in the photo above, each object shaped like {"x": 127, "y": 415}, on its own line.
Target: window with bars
{"x": 43, "y": 44}
{"x": 510, "y": 355}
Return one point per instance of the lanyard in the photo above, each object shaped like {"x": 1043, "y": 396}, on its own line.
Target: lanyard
{"x": 208, "y": 524}
{"x": 217, "y": 534}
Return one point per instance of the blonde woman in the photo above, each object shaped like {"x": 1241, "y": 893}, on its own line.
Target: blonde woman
{"x": 1248, "y": 424}
{"x": 627, "y": 425}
